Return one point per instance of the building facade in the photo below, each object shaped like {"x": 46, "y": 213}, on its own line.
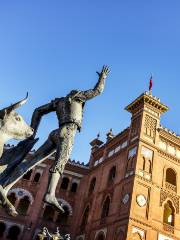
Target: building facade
{"x": 128, "y": 190}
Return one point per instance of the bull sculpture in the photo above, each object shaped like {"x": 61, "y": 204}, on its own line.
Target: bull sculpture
{"x": 13, "y": 126}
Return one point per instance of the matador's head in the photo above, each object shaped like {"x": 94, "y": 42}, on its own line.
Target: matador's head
{"x": 73, "y": 93}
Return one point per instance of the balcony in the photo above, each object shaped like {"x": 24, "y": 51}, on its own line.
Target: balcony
{"x": 168, "y": 228}
{"x": 170, "y": 187}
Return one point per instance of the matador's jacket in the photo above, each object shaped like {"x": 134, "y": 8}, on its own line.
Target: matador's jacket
{"x": 68, "y": 109}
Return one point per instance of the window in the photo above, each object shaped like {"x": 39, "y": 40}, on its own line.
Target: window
{"x": 37, "y": 177}
{"x": 65, "y": 183}
{"x": 105, "y": 208}
{"x": 63, "y": 217}
{"x": 23, "y": 205}
{"x": 112, "y": 175}
{"x": 13, "y": 233}
{"x": 136, "y": 236}
{"x": 120, "y": 235}
{"x": 92, "y": 185}
{"x": 2, "y": 229}
{"x": 100, "y": 236}
{"x": 169, "y": 213}
{"x": 48, "y": 213}
{"x": 74, "y": 187}
{"x": 85, "y": 217}
{"x": 27, "y": 176}
{"x": 171, "y": 176}
{"x": 12, "y": 198}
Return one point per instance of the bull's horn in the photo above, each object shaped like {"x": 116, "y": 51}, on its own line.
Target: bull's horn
{"x": 17, "y": 105}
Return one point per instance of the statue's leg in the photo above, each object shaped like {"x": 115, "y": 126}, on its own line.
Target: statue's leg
{"x": 41, "y": 154}
{"x": 64, "y": 139}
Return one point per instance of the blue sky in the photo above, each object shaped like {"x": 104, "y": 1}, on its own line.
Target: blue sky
{"x": 51, "y": 47}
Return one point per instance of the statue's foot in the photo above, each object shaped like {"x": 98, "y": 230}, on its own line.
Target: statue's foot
{"x": 5, "y": 203}
{"x": 11, "y": 210}
{"x": 51, "y": 200}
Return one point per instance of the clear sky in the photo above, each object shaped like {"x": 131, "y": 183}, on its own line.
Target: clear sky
{"x": 51, "y": 47}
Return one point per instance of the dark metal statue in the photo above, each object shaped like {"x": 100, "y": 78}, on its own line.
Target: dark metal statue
{"x": 69, "y": 112}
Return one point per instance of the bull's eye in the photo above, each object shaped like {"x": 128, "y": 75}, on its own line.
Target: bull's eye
{"x": 18, "y": 119}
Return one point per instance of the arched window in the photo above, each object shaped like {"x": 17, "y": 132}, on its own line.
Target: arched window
{"x": 85, "y": 216}
{"x": 136, "y": 236}
{"x": 2, "y": 229}
{"x": 27, "y": 176}
{"x": 105, "y": 208}
{"x": 100, "y": 236}
{"x": 112, "y": 175}
{"x": 171, "y": 176}
{"x": 37, "y": 177}
{"x": 48, "y": 213}
{"x": 13, "y": 233}
{"x": 12, "y": 198}
{"x": 23, "y": 205}
{"x": 92, "y": 185}
{"x": 74, "y": 187}
{"x": 63, "y": 217}
{"x": 169, "y": 213}
{"x": 65, "y": 183}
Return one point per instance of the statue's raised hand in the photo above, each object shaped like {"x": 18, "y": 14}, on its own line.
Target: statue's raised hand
{"x": 105, "y": 71}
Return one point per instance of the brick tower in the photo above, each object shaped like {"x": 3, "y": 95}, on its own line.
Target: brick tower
{"x": 154, "y": 208}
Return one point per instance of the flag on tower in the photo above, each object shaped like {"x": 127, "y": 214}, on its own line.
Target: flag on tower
{"x": 150, "y": 84}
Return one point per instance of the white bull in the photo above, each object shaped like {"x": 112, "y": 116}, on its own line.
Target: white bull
{"x": 12, "y": 125}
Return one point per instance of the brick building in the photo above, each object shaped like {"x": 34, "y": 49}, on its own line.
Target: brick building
{"x": 128, "y": 190}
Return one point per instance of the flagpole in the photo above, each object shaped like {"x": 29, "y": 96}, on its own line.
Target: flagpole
{"x": 150, "y": 85}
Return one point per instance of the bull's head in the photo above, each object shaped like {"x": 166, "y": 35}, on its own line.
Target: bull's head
{"x": 12, "y": 125}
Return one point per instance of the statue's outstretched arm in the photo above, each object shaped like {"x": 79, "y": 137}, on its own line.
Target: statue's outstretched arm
{"x": 39, "y": 112}
{"x": 99, "y": 87}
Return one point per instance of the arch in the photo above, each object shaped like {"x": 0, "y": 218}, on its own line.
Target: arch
{"x": 169, "y": 213}
{"x": 48, "y": 213}
{"x": 66, "y": 204}
{"x": 74, "y": 187}
{"x": 37, "y": 177}
{"x": 64, "y": 183}
{"x": 13, "y": 233}
{"x": 105, "y": 208}
{"x": 171, "y": 176}
{"x": 92, "y": 185}
{"x": 12, "y": 198}
{"x": 2, "y": 229}
{"x": 100, "y": 236}
{"x": 136, "y": 236}
{"x": 112, "y": 175}
{"x": 27, "y": 176}
{"x": 23, "y": 205}
{"x": 20, "y": 193}
{"x": 85, "y": 216}
{"x": 62, "y": 218}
